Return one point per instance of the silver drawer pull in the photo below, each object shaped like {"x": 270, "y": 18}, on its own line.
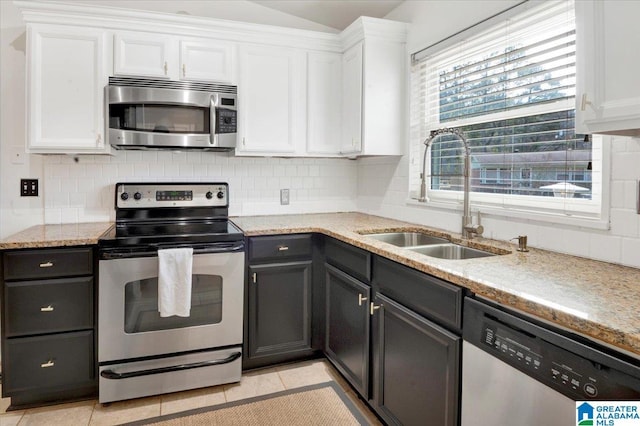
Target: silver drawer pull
{"x": 47, "y": 364}
{"x": 46, "y": 309}
{"x": 361, "y": 299}
{"x": 283, "y": 248}
{"x": 46, "y": 264}
{"x": 373, "y": 308}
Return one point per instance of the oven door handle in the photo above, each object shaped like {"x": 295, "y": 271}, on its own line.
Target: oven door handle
{"x": 203, "y": 248}
{"x": 124, "y": 253}
{"x": 110, "y": 374}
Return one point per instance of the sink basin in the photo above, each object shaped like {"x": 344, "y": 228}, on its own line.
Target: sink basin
{"x": 451, "y": 251}
{"x": 407, "y": 239}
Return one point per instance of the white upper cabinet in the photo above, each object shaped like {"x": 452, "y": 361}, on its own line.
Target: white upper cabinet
{"x": 66, "y": 75}
{"x": 324, "y": 103}
{"x": 374, "y": 76}
{"x": 608, "y": 59}
{"x": 300, "y": 93}
{"x": 207, "y": 60}
{"x": 271, "y": 100}
{"x": 352, "y": 100}
{"x": 163, "y": 56}
{"x": 144, "y": 54}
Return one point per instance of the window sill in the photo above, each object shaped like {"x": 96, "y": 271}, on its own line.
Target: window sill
{"x": 510, "y": 213}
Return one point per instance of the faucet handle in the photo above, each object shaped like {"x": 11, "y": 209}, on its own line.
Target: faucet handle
{"x": 471, "y": 229}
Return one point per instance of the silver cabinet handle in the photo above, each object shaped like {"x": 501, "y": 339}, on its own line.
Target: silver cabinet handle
{"x": 361, "y": 299}
{"x": 255, "y": 277}
{"x": 584, "y": 102}
{"x": 283, "y": 248}
{"x": 48, "y": 364}
{"x": 184, "y": 70}
{"x": 46, "y": 309}
{"x": 373, "y": 308}
{"x": 46, "y": 264}
{"x": 166, "y": 68}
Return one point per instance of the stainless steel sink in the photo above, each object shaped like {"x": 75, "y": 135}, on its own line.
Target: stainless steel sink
{"x": 451, "y": 251}
{"x": 407, "y": 239}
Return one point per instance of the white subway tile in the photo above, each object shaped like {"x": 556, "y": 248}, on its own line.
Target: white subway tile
{"x": 605, "y": 247}
{"x": 625, "y": 222}
{"x": 631, "y": 252}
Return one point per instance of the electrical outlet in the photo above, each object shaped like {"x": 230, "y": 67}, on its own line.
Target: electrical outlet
{"x": 28, "y": 187}
{"x": 284, "y": 197}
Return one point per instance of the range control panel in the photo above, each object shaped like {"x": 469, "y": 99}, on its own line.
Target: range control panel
{"x": 154, "y": 195}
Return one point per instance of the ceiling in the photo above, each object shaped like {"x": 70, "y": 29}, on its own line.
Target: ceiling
{"x": 332, "y": 13}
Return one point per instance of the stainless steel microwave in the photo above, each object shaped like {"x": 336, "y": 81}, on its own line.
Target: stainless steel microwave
{"x": 175, "y": 115}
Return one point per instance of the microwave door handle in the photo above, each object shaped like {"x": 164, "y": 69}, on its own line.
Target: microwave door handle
{"x": 213, "y": 137}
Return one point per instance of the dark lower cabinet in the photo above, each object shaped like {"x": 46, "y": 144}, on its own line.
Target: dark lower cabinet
{"x": 416, "y": 367}
{"x": 48, "y": 325}
{"x": 347, "y": 327}
{"x": 279, "y": 313}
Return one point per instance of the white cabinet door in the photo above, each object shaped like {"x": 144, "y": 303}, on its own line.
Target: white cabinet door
{"x": 206, "y": 60}
{"x": 324, "y": 103}
{"x": 144, "y": 54}
{"x": 352, "y": 100}
{"x": 608, "y": 60}
{"x": 65, "y": 93}
{"x": 271, "y": 100}
{"x": 383, "y": 106}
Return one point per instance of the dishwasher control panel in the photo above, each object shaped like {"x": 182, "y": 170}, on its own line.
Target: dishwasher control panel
{"x": 570, "y": 367}
{"x": 575, "y": 376}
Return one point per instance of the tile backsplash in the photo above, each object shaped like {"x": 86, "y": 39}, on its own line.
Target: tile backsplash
{"x": 81, "y": 189}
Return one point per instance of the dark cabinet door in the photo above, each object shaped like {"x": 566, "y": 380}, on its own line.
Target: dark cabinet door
{"x": 347, "y": 327}
{"x": 279, "y": 309}
{"x": 417, "y": 364}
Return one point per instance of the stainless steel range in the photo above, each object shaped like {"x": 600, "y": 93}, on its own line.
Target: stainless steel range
{"x": 140, "y": 352}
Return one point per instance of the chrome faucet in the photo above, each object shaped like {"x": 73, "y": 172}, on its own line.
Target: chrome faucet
{"x": 468, "y": 228}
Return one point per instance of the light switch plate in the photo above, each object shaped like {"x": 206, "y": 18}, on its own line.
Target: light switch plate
{"x": 284, "y": 197}
{"x": 28, "y": 187}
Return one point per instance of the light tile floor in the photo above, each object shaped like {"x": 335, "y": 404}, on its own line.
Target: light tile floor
{"x": 255, "y": 383}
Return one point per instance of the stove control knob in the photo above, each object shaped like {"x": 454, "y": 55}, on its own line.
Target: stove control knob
{"x": 209, "y": 195}
{"x": 137, "y": 196}
{"x": 220, "y": 194}
{"x": 124, "y": 196}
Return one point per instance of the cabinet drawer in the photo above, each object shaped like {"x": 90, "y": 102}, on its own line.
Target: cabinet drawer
{"x": 57, "y": 360}
{"x": 429, "y": 296}
{"x": 350, "y": 259}
{"x": 49, "y": 263}
{"x": 46, "y": 306}
{"x": 280, "y": 247}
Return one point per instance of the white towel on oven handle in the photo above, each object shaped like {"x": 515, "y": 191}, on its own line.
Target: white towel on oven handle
{"x": 174, "y": 281}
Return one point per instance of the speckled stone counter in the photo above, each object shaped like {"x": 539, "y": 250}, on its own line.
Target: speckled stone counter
{"x": 597, "y": 299}
{"x": 73, "y": 234}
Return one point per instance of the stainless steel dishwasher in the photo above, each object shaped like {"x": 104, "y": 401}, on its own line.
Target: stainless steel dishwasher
{"x": 518, "y": 370}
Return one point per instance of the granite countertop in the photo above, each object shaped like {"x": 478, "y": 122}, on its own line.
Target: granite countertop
{"x": 597, "y": 299}
{"x": 68, "y": 234}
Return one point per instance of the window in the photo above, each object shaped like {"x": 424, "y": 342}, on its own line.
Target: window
{"x": 511, "y": 89}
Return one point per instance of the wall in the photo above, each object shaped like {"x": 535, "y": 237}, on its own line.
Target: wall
{"x": 83, "y": 190}
{"x": 383, "y": 183}
{"x": 15, "y": 212}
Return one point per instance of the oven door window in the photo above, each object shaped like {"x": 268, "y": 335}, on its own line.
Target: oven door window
{"x": 141, "y": 305}
{"x": 160, "y": 118}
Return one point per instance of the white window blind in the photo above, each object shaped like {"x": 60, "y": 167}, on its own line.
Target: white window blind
{"x": 511, "y": 89}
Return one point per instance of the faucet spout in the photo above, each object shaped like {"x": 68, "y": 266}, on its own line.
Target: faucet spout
{"x": 468, "y": 228}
